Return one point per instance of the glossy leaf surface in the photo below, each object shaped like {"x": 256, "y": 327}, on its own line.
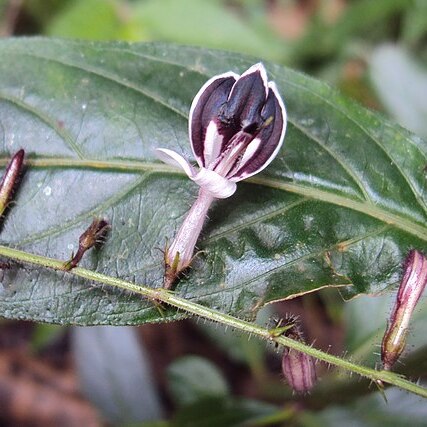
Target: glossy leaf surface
{"x": 340, "y": 206}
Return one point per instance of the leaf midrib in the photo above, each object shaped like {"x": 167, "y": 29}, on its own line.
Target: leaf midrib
{"x": 130, "y": 166}
{"x": 115, "y": 78}
{"x": 363, "y": 207}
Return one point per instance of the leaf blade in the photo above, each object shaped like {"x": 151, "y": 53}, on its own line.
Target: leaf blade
{"x": 322, "y": 214}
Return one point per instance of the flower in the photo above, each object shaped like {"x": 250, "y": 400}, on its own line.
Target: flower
{"x": 410, "y": 290}
{"x": 237, "y": 125}
{"x": 299, "y": 369}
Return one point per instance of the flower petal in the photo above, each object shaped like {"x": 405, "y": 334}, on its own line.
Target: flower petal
{"x": 217, "y": 185}
{"x": 204, "y": 109}
{"x": 264, "y": 148}
{"x": 246, "y": 100}
{"x": 243, "y": 110}
{"x": 174, "y": 159}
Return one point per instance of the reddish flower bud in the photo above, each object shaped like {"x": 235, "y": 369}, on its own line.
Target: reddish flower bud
{"x": 237, "y": 124}
{"x": 299, "y": 370}
{"x": 10, "y": 178}
{"x": 410, "y": 290}
{"x": 93, "y": 234}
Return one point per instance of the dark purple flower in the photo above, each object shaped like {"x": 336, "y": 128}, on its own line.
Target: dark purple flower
{"x": 237, "y": 125}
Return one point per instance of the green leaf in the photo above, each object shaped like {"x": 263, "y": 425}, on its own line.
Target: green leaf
{"x": 89, "y": 19}
{"x": 364, "y": 19}
{"x": 414, "y": 27}
{"x": 205, "y": 23}
{"x": 44, "y": 334}
{"x": 98, "y": 20}
{"x": 340, "y": 206}
{"x": 192, "y": 378}
{"x": 400, "y": 409}
{"x": 192, "y": 22}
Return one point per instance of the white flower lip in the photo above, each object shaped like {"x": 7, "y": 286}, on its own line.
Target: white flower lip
{"x": 218, "y": 186}
{"x": 237, "y": 125}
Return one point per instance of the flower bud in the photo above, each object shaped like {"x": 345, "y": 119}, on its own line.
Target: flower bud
{"x": 93, "y": 234}
{"x": 299, "y": 370}
{"x": 410, "y": 290}
{"x": 10, "y": 178}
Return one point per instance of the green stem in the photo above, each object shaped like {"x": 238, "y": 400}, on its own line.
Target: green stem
{"x": 170, "y": 298}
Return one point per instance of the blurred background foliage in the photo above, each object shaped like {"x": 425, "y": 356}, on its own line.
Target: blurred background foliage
{"x": 340, "y": 41}
{"x": 375, "y": 51}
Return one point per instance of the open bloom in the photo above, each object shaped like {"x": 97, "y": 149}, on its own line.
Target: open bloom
{"x": 236, "y": 125}
{"x": 411, "y": 288}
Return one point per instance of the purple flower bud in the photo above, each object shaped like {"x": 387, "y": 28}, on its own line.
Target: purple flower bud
{"x": 10, "y": 178}
{"x": 94, "y": 234}
{"x": 410, "y": 290}
{"x": 299, "y": 370}
{"x": 237, "y": 125}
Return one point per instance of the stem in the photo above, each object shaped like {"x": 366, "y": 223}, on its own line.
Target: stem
{"x": 168, "y": 297}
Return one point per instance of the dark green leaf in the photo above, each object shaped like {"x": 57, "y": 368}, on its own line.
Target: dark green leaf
{"x": 340, "y": 206}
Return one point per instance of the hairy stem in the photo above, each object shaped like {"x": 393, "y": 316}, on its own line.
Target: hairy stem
{"x": 170, "y": 298}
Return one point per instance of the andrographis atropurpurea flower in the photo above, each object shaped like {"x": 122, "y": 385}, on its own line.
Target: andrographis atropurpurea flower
{"x": 237, "y": 125}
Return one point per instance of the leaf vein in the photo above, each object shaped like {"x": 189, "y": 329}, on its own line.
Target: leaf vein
{"x": 110, "y": 77}
{"x": 338, "y": 159}
{"x": 60, "y": 228}
{"x": 46, "y": 119}
{"x": 256, "y": 220}
{"x": 416, "y": 194}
